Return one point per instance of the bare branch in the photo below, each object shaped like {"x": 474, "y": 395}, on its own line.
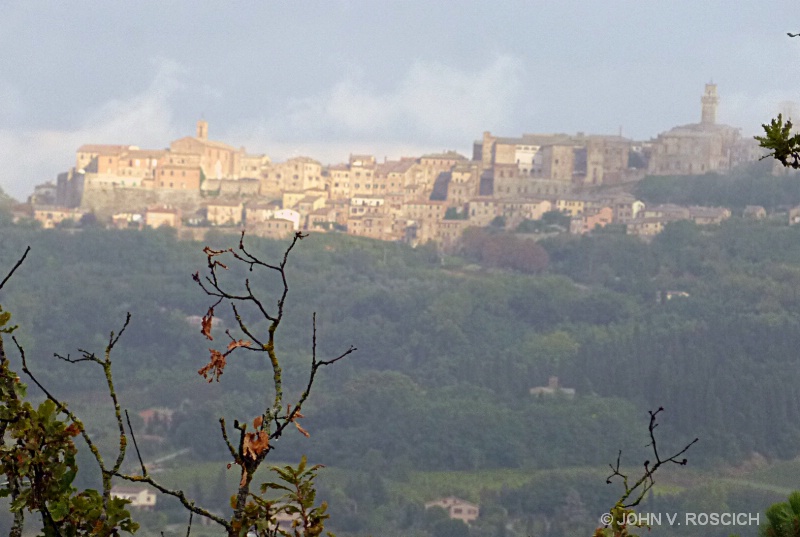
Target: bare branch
{"x": 647, "y": 480}
{"x": 135, "y": 445}
{"x": 15, "y": 267}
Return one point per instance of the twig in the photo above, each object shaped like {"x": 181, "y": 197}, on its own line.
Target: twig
{"x": 646, "y": 481}
{"x": 189, "y": 527}
{"x": 15, "y": 267}
{"x": 135, "y": 445}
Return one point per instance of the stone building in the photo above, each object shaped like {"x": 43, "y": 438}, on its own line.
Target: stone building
{"x": 217, "y": 160}
{"x": 697, "y": 148}
{"x": 463, "y": 184}
{"x": 295, "y": 175}
{"x": 159, "y": 216}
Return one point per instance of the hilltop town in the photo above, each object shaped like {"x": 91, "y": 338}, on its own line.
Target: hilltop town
{"x": 197, "y": 184}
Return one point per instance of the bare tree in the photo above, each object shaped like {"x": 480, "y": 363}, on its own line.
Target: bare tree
{"x": 37, "y": 453}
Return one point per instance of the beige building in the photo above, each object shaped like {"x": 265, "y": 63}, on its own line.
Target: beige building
{"x": 553, "y": 388}
{"x": 337, "y": 178}
{"x": 516, "y": 210}
{"x": 708, "y": 215}
{"x": 127, "y": 220}
{"x": 224, "y": 213}
{"x": 449, "y": 232}
{"x": 117, "y": 166}
{"x": 253, "y": 166}
{"x": 140, "y": 496}
{"x": 255, "y": 212}
{"x": 481, "y": 211}
{"x": 50, "y": 216}
{"x": 667, "y": 211}
{"x": 362, "y": 175}
{"x": 178, "y": 171}
{"x": 646, "y": 227}
{"x": 156, "y": 217}
{"x": 273, "y": 228}
{"x": 395, "y": 176}
{"x": 464, "y": 184}
{"x": 754, "y": 212}
{"x": 606, "y": 160}
{"x": 456, "y": 508}
{"x": 590, "y": 221}
{"x": 697, "y": 148}
{"x": 574, "y": 204}
{"x": 216, "y": 159}
{"x": 295, "y": 175}
{"x": 625, "y": 206}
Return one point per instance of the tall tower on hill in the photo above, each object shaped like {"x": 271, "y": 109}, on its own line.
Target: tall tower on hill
{"x": 202, "y": 129}
{"x": 710, "y": 101}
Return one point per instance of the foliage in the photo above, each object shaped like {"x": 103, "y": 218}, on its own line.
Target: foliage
{"x": 752, "y": 186}
{"x": 782, "y": 143}
{"x": 38, "y": 459}
{"x": 453, "y": 213}
{"x": 505, "y": 250}
{"x": 783, "y": 519}
{"x": 550, "y": 221}
{"x": 38, "y": 456}
{"x": 297, "y": 502}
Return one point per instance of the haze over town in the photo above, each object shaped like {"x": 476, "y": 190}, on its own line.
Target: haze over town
{"x": 355, "y": 77}
{"x": 536, "y": 222}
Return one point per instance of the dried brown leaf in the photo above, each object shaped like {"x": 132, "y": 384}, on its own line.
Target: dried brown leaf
{"x": 303, "y": 431}
{"x": 214, "y": 368}
{"x": 255, "y": 444}
{"x": 73, "y": 430}
{"x": 236, "y": 344}
{"x": 257, "y": 422}
{"x": 205, "y": 328}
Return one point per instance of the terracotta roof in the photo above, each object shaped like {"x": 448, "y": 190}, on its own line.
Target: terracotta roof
{"x": 145, "y": 153}
{"x": 223, "y": 204}
{"x": 452, "y": 155}
{"x": 103, "y": 149}
{"x": 306, "y": 160}
{"x": 210, "y": 143}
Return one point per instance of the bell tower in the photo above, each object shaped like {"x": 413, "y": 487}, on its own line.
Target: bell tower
{"x": 709, "y": 101}
{"x": 202, "y": 129}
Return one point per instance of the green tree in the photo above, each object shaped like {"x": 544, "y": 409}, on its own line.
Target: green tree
{"x": 783, "y": 519}
{"x": 783, "y": 144}
{"x": 450, "y": 527}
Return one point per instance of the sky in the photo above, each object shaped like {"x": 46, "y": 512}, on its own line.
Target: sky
{"x": 390, "y": 78}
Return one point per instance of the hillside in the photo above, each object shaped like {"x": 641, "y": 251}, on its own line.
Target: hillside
{"x": 447, "y": 355}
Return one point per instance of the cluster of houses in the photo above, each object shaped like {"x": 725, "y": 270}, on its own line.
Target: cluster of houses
{"x": 144, "y": 498}
{"x": 197, "y": 183}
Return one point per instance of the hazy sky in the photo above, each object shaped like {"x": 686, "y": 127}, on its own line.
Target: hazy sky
{"x": 390, "y": 78}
